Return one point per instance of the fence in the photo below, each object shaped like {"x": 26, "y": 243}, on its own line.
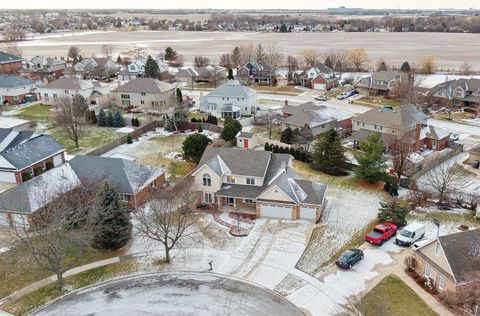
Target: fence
{"x": 205, "y": 126}
{"x": 436, "y": 160}
{"x": 41, "y": 118}
{"x": 262, "y": 140}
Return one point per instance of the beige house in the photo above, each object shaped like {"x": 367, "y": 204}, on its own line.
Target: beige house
{"x": 448, "y": 261}
{"x": 147, "y": 93}
{"x": 260, "y": 183}
{"x": 246, "y": 140}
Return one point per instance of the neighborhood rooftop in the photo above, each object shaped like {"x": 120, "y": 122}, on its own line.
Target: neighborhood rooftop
{"x": 147, "y": 85}
{"x": 398, "y": 118}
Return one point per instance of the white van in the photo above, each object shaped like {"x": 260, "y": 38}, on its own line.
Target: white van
{"x": 410, "y": 234}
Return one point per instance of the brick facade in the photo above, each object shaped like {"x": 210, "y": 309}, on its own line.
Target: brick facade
{"x": 448, "y": 284}
{"x": 143, "y": 196}
{"x": 11, "y": 68}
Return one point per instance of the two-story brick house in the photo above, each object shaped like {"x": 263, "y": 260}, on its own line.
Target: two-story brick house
{"x": 254, "y": 182}
{"x": 10, "y": 64}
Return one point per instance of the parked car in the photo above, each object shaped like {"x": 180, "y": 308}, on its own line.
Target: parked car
{"x": 321, "y": 98}
{"x": 410, "y": 234}
{"x": 381, "y": 233}
{"x": 342, "y": 96}
{"x": 348, "y": 258}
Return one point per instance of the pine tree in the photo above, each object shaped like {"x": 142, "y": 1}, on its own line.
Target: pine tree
{"x": 259, "y": 53}
{"x": 230, "y": 74}
{"x": 111, "y": 219}
{"x": 118, "y": 119}
{"x": 179, "y": 96}
{"x": 110, "y": 119}
{"x": 151, "y": 68}
{"x": 287, "y": 136}
{"x": 329, "y": 156}
{"x": 328, "y": 63}
{"x": 266, "y": 147}
{"x": 371, "y": 163}
{"x": 393, "y": 211}
{"x": 170, "y": 54}
{"x": 92, "y": 118}
{"x": 129, "y": 139}
{"x": 119, "y": 59}
{"x": 231, "y": 128}
{"x": 405, "y": 67}
{"x": 102, "y": 120}
{"x": 283, "y": 28}
{"x": 193, "y": 147}
{"x": 235, "y": 57}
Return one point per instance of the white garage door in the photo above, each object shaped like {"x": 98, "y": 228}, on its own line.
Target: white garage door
{"x": 4, "y": 220}
{"x": 319, "y": 86}
{"x": 57, "y": 160}
{"x": 308, "y": 213}
{"x": 7, "y": 177}
{"x": 267, "y": 210}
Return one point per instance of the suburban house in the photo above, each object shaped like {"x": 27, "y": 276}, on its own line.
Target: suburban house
{"x": 40, "y": 66}
{"x": 231, "y": 99}
{"x": 256, "y": 72}
{"x": 68, "y": 87}
{"x": 259, "y": 183}
{"x": 93, "y": 67}
{"x": 210, "y": 73}
{"x": 404, "y": 123}
{"x": 318, "y": 77}
{"x": 474, "y": 154}
{"x": 133, "y": 181}
{"x": 382, "y": 83}
{"x": 16, "y": 90}
{"x": 246, "y": 140}
{"x": 21, "y": 205}
{"x": 448, "y": 261}
{"x": 147, "y": 93}
{"x": 461, "y": 92}
{"x": 10, "y": 64}
{"x": 319, "y": 118}
{"x": 26, "y": 154}
{"x": 133, "y": 70}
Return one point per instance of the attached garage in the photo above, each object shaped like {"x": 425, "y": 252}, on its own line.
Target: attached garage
{"x": 319, "y": 86}
{"x": 276, "y": 211}
{"x": 57, "y": 160}
{"x": 8, "y": 177}
{"x": 308, "y": 213}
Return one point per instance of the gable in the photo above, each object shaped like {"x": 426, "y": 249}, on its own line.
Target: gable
{"x": 275, "y": 194}
{"x": 441, "y": 260}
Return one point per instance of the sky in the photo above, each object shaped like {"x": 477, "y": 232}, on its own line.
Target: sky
{"x": 235, "y": 4}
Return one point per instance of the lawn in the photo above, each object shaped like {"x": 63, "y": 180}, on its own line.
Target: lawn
{"x": 263, "y": 131}
{"x": 393, "y": 297}
{"x": 42, "y": 296}
{"x": 379, "y": 101}
{"x": 18, "y": 269}
{"x": 446, "y": 217}
{"x": 96, "y": 137}
{"x": 38, "y": 112}
{"x": 200, "y": 116}
{"x": 291, "y": 90}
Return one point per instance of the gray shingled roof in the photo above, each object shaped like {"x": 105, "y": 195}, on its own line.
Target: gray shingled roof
{"x": 147, "y": 85}
{"x": 10, "y": 81}
{"x": 128, "y": 177}
{"x": 6, "y": 58}
{"x": 69, "y": 84}
{"x": 25, "y": 148}
{"x": 242, "y": 134}
{"x": 239, "y": 161}
{"x": 401, "y": 117}
{"x": 312, "y": 115}
{"x": 233, "y": 89}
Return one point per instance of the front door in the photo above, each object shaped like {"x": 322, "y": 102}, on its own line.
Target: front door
{"x": 245, "y": 143}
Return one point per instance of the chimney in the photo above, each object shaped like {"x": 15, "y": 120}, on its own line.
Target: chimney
{"x": 286, "y": 102}
{"x": 418, "y": 128}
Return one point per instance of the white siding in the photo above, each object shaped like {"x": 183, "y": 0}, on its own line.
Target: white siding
{"x": 4, "y": 219}
{"x": 8, "y": 177}
{"x": 57, "y": 160}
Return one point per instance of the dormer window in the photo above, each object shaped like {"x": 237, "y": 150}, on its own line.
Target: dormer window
{"x": 251, "y": 181}
{"x": 437, "y": 249}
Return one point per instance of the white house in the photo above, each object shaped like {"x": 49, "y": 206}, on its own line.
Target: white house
{"x": 231, "y": 99}
{"x": 68, "y": 87}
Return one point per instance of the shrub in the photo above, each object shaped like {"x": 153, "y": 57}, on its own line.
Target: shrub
{"x": 200, "y": 127}
{"x": 49, "y": 165}
{"x": 410, "y": 262}
{"x": 129, "y": 139}
{"x": 26, "y": 176}
{"x": 37, "y": 171}
{"x": 275, "y": 149}
{"x": 266, "y": 147}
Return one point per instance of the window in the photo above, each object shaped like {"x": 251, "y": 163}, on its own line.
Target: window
{"x": 46, "y": 97}
{"x": 230, "y": 179}
{"x": 441, "y": 282}
{"x": 124, "y": 197}
{"x": 125, "y": 96}
{"x": 153, "y": 185}
{"x": 437, "y": 249}
{"x": 358, "y": 123}
{"x": 207, "y": 180}
{"x": 126, "y": 102}
{"x": 66, "y": 92}
{"x": 251, "y": 181}
{"x": 249, "y": 201}
{"x": 207, "y": 198}
{"x": 142, "y": 102}
{"x": 230, "y": 200}
{"x": 427, "y": 270}
{"x": 44, "y": 165}
{"x": 144, "y": 94}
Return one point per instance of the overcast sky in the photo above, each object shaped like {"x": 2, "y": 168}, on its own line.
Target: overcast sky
{"x": 235, "y": 4}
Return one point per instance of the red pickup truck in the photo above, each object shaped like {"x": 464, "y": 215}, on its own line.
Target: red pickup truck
{"x": 381, "y": 233}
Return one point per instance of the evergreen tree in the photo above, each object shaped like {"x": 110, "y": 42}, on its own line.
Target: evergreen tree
{"x": 118, "y": 119}
{"x": 405, "y": 67}
{"x": 231, "y": 128}
{"x": 179, "y": 96}
{"x": 371, "y": 163}
{"x": 193, "y": 147}
{"x": 287, "y": 136}
{"x": 91, "y": 117}
{"x": 119, "y": 60}
{"x": 110, "y": 218}
{"x": 110, "y": 119}
{"x": 393, "y": 211}
{"x": 382, "y": 66}
{"x": 129, "y": 139}
{"x": 235, "y": 58}
{"x": 328, "y": 155}
{"x": 79, "y": 104}
{"x": 230, "y": 74}
{"x": 151, "y": 68}
{"x": 101, "y": 120}
{"x": 328, "y": 62}
{"x": 170, "y": 54}
{"x": 259, "y": 53}
{"x": 283, "y": 28}
{"x": 266, "y": 147}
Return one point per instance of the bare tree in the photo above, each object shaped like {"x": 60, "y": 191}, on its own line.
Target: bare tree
{"x": 310, "y": 57}
{"x": 200, "y": 61}
{"x": 70, "y": 116}
{"x": 466, "y": 296}
{"x": 466, "y": 69}
{"x": 304, "y": 138}
{"x": 215, "y": 76}
{"x": 168, "y": 218}
{"x": 273, "y": 58}
{"x": 247, "y": 53}
{"x": 225, "y": 61}
{"x": 382, "y": 65}
{"x": 447, "y": 179}
{"x": 61, "y": 234}
{"x": 107, "y": 50}
{"x": 400, "y": 149}
{"x": 338, "y": 58}
{"x": 292, "y": 65}
{"x": 426, "y": 65}
{"x": 74, "y": 52}
{"x": 271, "y": 119}
{"x": 358, "y": 59}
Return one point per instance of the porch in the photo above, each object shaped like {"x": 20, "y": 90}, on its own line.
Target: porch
{"x": 236, "y": 205}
